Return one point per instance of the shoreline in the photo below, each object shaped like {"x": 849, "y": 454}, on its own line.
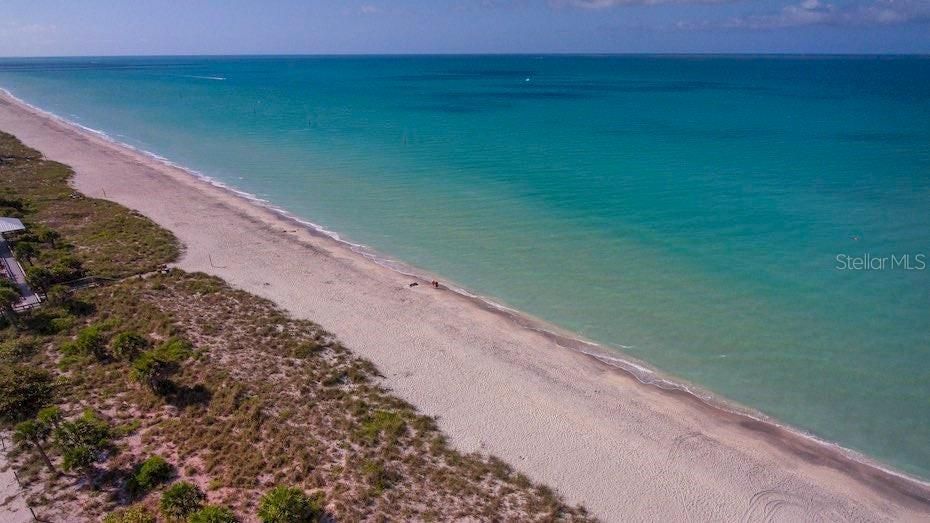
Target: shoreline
{"x": 589, "y": 362}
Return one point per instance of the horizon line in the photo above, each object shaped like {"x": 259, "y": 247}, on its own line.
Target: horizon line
{"x": 463, "y": 54}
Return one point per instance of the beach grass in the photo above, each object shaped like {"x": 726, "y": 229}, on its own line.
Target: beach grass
{"x": 236, "y": 396}
{"x": 109, "y": 240}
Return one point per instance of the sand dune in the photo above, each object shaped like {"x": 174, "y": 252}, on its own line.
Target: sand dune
{"x": 603, "y": 439}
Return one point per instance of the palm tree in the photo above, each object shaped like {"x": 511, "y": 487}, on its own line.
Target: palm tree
{"x": 284, "y": 504}
{"x": 34, "y": 433}
{"x": 180, "y": 500}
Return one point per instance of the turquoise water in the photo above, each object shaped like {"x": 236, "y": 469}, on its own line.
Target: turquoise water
{"x": 690, "y": 209}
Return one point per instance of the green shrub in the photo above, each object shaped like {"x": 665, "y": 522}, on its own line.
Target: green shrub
{"x": 7, "y": 284}
{"x": 17, "y": 349}
{"x": 65, "y": 269}
{"x": 47, "y": 320}
{"x": 306, "y": 350}
{"x": 126, "y": 429}
{"x": 153, "y": 367}
{"x": 377, "y": 476}
{"x": 204, "y": 285}
{"x": 79, "y": 457}
{"x": 9, "y": 296}
{"x": 40, "y": 277}
{"x": 175, "y": 350}
{"x": 60, "y": 324}
{"x": 90, "y": 342}
{"x": 57, "y": 295}
{"x": 213, "y": 514}
{"x": 151, "y": 473}
{"x": 23, "y": 391}
{"x": 134, "y": 514}
{"x": 289, "y": 505}
{"x": 46, "y": 235}
{"x": 181, "y": 500}
{"x": 389, "y": 424}
{"x": 127, "y": 345}
{"x": 12, "y": 206}
{"x": 150, "y": 371}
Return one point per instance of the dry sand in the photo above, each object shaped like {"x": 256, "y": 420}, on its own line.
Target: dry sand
{"x": 13, "y": 507}
{"x": 625, "y": 450}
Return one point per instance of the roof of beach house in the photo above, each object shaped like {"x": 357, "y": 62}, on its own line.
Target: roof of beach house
{"x": 10, "y": 225}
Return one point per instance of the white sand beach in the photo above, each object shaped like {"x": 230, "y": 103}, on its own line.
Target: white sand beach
{"x": 625, "y": 450}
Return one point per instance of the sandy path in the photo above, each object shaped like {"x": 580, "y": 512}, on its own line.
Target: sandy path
{"x": 625, "y": 450}
{"x": 13, "y": 507}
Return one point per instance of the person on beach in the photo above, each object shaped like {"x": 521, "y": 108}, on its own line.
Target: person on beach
{"x": 435, "y": 284}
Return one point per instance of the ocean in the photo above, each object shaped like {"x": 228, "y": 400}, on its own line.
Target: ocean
{"x": 756, "y": 226}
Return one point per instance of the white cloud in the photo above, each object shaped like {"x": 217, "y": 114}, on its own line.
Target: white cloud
{"x": 816, "y": 12}
{"x": 19, "y": 39}
{"x": 603, "y": 4}
{"x": 369, "y": 9}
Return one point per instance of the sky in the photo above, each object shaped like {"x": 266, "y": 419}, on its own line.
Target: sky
{"x": 174, "y": 27}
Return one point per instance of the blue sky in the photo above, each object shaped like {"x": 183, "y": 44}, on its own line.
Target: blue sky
{"x": 99, "y": 27}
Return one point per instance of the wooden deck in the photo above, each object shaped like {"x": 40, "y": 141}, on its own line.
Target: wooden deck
{"x": 13, "y": 271}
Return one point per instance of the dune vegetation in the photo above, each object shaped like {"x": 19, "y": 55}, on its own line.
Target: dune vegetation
{"x": 170, "y": 396}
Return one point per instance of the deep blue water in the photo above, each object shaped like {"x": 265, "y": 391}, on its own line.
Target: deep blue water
{"x": 690, "y": 209}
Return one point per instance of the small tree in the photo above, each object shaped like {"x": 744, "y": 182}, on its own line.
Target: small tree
{"x": 50, "y": 416}
{"x": 26, "y": 251}
{"x": 9, "y": 296}
{"x": 288, "y": 505}
{"x": 40, "y": 277}
{"x": 127, "y": 345}
{"x": 66, "y": 268}
{"x": 213, "y": 514}
{"x": 48, "y": 236}
{"x": 81, "y": 441}
{"x": 34, "y": 433}
{"x": 23, "y": 391}
{"x": 58, "y": 295}
{"x": 180, "y": 500}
